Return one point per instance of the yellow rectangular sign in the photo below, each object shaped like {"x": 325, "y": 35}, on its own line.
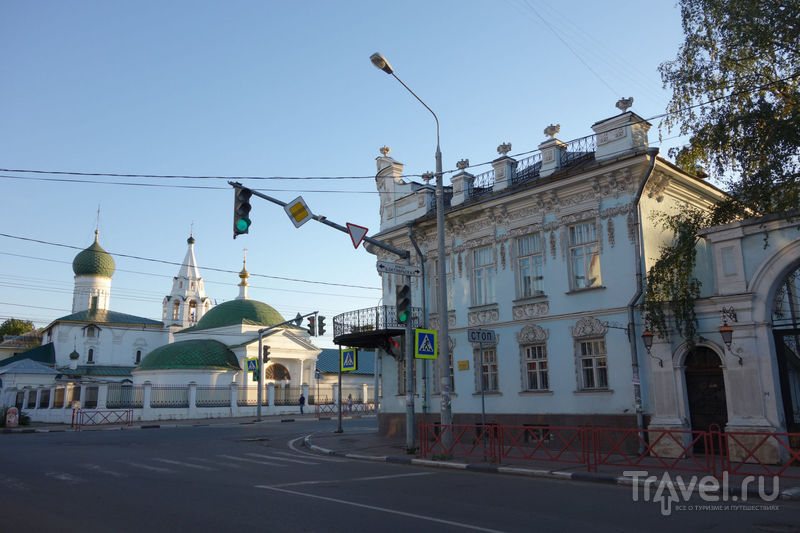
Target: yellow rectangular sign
{"x": 463, "y": 365}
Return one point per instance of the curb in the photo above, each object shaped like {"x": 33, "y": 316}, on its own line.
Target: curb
{"x": 790, "y": 494}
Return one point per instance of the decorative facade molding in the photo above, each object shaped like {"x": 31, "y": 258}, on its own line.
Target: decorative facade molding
{"x": 588, "y": 327}
{"x": 434, "y": 322}
{"x": 632, "y": 236}
{"x": 532, "y": 310}
{"x": 503, "y": 255}
{"x": 656, "y": 185}
{"x": 532, "y": 333}
{"x": 482, "y": 317}
{"x": 610, "y": 230}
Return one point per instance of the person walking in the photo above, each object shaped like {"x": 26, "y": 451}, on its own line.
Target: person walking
{"x": 302, "y": 402}
{"x": 350, "y": 403}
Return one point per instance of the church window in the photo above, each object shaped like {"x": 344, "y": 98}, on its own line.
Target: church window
{"x": 90, "y": 357}
{"x": 93, "y": 303}
{"x": 193, "y": 311}
{"x": 138, "y": 356}
{"x": 191, "y": 285}
{"x": 176, "y": 311}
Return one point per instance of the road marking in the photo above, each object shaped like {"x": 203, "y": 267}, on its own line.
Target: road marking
{"x": 246, "y": 460}
{"x": 101, "y": 469}
{"x": 215, "y": 462}
{"x": 381, "y": 509}
{"x": 12, "y": 483}
{"x": 262, "y": 456}
{"x": 371, "y": 478}
{"x": 63, "y": 476}
{"x": 148, "y": 467}
{"x": 181, "y": 463}
{"x": 375, "y": 478}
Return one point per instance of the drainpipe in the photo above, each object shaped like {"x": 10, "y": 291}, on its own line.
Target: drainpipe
{"x": 637, "y": 389}
{"x": 424, "y": 315}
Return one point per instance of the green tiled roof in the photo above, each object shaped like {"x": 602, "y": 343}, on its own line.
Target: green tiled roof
{"x": 193, "y": 354}
{"x": 93, "y": 261}
{"x": 98, "y": 370}
{"x": 44, "y": 354}
{"x": 235, "y": 312}
{"x": 104, "y": 316}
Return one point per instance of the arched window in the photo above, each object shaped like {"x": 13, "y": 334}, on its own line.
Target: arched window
{"x": 90, "y": 357}
{"x": 193, "y": 311}
{"x": 176, "y": 311}
{"x": 138, "y": 356}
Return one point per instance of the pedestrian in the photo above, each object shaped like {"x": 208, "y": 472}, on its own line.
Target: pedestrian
{"x": 302, "y": 402}
{"x": 350, "y": 403}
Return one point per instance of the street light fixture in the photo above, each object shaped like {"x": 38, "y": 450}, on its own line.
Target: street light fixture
{"x": 382, "y": 63}
{"x": 725, "y": 331}
{"x": 647, "y": 339}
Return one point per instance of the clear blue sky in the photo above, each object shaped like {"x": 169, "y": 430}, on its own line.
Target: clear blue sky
{"x": 260, "y": 88}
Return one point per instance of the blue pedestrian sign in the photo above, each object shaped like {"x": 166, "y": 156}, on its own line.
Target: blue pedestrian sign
{"x": 349, "y": 360}
{"x": 252, "y": 365}
{"x": 425, "y": 344}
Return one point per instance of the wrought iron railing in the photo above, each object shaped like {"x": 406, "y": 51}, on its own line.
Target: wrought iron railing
{"x": 288, "y": 395}
{"x": 124, "y": 396}
{"x": 372, "y": 319}
{"x": 527, "y": 169}
{"x": 482, "y": 184}
{"x": 168, "y": 396}
{"x": 579, "y": 150}
{"x": 213, "y": 396}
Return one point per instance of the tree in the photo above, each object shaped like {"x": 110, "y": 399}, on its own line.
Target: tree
{"x": 14, "y": 326}
{"x": 736, "y": 92}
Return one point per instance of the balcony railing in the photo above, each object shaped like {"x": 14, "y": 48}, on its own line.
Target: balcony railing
{"x": 372, "y": 319}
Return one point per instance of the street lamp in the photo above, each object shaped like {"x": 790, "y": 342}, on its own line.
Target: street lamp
{"x": 725, "y": 331}
{"x": 441, "y": 289}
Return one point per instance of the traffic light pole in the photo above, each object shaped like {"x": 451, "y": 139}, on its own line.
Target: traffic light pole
{"x": 404, "y": 254}
{"x": 409, "y": 354}
{"x": 261, "y": 360}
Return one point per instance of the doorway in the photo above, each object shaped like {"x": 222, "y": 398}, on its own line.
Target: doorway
{"x": 705, "y": 390}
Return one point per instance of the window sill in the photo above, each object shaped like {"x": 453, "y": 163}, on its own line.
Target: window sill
{"x": 543, "y": 392}
{"x": 594, "y": 391}
{"x": 439, "y": 394}
{"x": 587, "y": 289}
{"x": 488, "y": 393}
{"x": 484, "y": 307}
{"x": 526, "y": 299}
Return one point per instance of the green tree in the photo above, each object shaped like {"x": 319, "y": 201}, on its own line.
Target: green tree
{"x": 736, "y": 92}
{"x": 15, "y": 326}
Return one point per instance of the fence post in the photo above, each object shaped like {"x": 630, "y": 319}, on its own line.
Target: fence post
{"x": 271, "y": 396}
{"x": 147, "y": 391}
{"x": 234, "y": 399}
{"x": 102, "y": 395}
{"x": 192, "y": 399}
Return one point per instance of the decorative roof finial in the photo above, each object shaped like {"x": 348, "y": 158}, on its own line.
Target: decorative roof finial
{"x": 504, "y": 148}
{"x": 463, "y": 164}
{"x": 385, "y": 150}
{"x": 552, "y": 130}
{"x": 427, "y": 177}
{"x": 624, "y": 103}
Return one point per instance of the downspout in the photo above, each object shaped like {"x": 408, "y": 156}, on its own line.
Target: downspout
{"x": 424, "y": 315}
{"x": 637, "y": 387}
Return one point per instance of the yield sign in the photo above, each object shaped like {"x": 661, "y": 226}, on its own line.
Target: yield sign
{"x": 357, "y": 233}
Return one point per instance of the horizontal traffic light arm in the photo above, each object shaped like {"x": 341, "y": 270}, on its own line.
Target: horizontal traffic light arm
{"x": 404, "y": 254}
{"x": 292, "y": 321}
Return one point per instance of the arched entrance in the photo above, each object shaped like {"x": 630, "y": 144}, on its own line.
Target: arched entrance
{"x": 705, "y": 390}
{"x": 786, "y": 330}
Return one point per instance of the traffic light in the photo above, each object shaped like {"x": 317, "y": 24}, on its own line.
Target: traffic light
{"x": 312, "y": 327}
{"x": 266, "y": 353}
{"x": 403, "y": 303}
{"x": 393, "y": 346}
{"x": 321, "y": 325}
{"x": 241, "y": 211}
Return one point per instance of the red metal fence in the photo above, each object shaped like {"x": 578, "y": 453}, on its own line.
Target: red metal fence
{"x": 712, "y": 451}
{"x": 92, "y": 417}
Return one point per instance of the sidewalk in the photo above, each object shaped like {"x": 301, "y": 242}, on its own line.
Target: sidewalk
{"x": 370, "y": 446}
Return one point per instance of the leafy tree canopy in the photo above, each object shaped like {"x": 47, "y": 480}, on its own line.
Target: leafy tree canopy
{"x": 736, "y": 92}
{"x": 14, "y": 326}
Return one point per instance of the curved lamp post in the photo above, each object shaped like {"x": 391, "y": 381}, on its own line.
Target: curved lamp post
{"x": 441, "y": 287}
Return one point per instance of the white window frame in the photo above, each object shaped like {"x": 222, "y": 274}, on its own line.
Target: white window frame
{"x": 489, "y": 372}
{"x": 592, "y": 357}
{"x": 530, "y": 263}
{"x": 484, "y": 276}
{"x": 534, "y": 364}
{"x": 584, "y": 256}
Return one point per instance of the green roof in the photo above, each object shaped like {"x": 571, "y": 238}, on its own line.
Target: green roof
{"x": 104, "y": 316}
{"x": 93, "y": 261}
{"x": 45, "y": 354}
{"x": 98, "y": 370}
{"x": 205, "y": 354}
{"x": 236, "y": 312}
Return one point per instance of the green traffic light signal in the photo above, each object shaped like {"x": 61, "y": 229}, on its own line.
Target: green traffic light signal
{"x": 242, "y": 224}
{"x": 241, "y": 211}
{"x": 403, "y": 303}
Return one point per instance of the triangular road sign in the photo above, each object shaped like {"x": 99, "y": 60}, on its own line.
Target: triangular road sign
{"x": 357, "y": 233}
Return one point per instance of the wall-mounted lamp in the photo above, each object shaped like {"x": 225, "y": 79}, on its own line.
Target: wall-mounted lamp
{"x": 647, "y": 339}
{"x": 728, "y": 313}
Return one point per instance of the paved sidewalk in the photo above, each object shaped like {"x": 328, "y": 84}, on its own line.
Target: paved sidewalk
{"x": 370, "y": 446}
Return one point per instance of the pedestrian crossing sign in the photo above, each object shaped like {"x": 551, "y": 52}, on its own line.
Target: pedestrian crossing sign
{"x": 425, "y": 344}
{"x": 252, "y": 365}
{"x": 349, "y": 360}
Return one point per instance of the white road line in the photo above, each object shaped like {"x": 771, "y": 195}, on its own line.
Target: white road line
{"x": 371, "y": 478}
{"x": 181, "y": 463}
{"x": 381, "y": 509}
{"x": 12, "y": 483}
{"x": 262, "y": 456}
{"x": 375, "y": 478}
{"x": 246, "y": 460}
{"x": 316, "y": 456}
{"x": 102, "y": 470}
{"x": 63, "y": 476}
{"x": 148, "y": 467}
{"x": 215, "y": 462}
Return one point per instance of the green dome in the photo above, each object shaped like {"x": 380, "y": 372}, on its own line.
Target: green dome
{"x": 202, "y": 354}
{"x": 93, "y": 261}
{"x": 236, "y": 312}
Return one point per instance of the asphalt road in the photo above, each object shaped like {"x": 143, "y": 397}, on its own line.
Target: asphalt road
{"x": 260, "y": 478}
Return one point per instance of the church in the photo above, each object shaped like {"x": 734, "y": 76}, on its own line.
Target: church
{"x": 191, "y": 364}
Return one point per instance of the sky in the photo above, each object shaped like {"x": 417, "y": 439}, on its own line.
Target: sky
{"x": 278, "y": 90}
